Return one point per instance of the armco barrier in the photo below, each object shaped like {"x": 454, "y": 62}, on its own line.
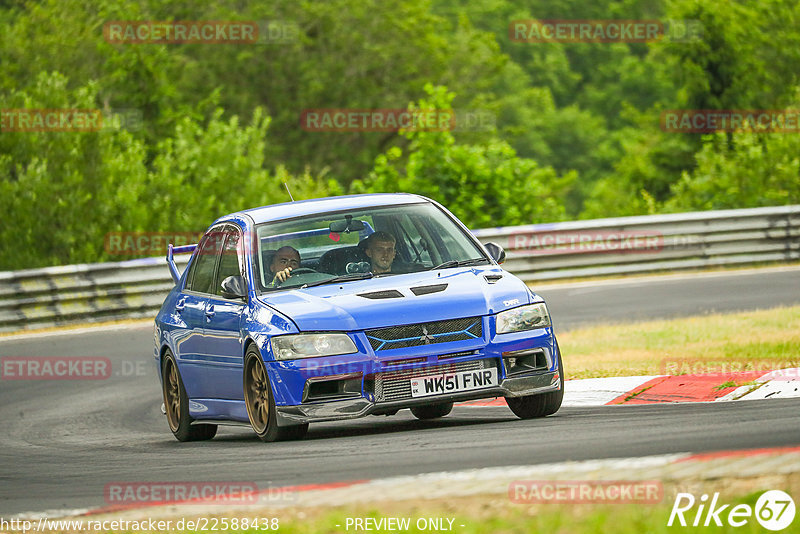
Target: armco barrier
{"x": 627, "y": 245}
{"x": 75, "y": 294}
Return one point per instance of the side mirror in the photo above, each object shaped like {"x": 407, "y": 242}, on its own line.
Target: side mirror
{"x": 233, "y": 287}
{"x": 496, "y": 252}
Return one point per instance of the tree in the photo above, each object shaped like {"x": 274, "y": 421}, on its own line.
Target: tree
{"x": 484, "y": 185}
{"x": 748, "y": 170}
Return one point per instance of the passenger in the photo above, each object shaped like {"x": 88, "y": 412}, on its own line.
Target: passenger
{"x": 380, "y": 249}
{"x": 284, "y": 260}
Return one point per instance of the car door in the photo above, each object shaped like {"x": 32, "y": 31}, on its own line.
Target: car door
{"x": 191, "y": 306}
{"x": 223, "y": 339}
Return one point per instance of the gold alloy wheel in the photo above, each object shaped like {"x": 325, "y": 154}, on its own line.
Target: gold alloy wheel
{"x": 258, "y": 396}
{"x": 172, "y": 396}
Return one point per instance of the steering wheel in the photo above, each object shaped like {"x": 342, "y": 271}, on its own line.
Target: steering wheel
{"x": 303, "y": 270}
{"x": 299, "y": 270}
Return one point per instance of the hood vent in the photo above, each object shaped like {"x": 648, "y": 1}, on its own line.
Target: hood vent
{"x": 386, "y": 294}
{"x": 425, "y": 290}
{"x": 492, "y": 278}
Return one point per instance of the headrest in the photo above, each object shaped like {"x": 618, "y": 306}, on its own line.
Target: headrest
{"x": 266, "y": 258}
{"x": 335, "y": 260}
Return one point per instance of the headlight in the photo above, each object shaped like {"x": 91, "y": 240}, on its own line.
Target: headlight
{"x": 523, "y": 318}
{"x": 311, "y": 346}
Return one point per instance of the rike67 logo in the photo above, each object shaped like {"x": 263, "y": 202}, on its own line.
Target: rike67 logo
{"x": 774, "y": 510}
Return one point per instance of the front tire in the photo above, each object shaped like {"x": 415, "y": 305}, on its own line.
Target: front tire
{"x": 260, "y": 403}
{"x": 176, "y": 403}
{"x": 432, "y": 411}
{"x": 541, "y": 405}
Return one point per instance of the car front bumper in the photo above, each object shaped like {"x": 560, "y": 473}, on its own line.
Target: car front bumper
{"x": 334, "y": 410}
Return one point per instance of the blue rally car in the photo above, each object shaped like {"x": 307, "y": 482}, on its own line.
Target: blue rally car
{"x": 337, "y": 308}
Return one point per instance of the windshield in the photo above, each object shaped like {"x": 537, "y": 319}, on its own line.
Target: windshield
{"x": 360, "y": 243}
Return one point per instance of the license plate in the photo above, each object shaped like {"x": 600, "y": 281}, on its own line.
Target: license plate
{"x": 453, "y": 382}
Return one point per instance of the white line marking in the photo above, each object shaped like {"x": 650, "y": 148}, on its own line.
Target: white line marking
{"x": 779, "y": 384}
{"x": 600, "y": 391}
{"x": 143, "y": 324}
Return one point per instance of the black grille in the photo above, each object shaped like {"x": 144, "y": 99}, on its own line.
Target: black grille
{"x": 396, "y": 385}
{"x": 414, "y": 335}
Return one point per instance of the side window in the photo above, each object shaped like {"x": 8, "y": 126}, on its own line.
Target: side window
{"x": 193, "y": 263}
{"x": 206, "y": 260}
{"x": 229, "y": 259}
{"x": 190, "y": 275}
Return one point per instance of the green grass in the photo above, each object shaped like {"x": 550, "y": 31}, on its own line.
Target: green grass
{"x": 494, "y": 518}
{"x": 755, "y": 340}
{"x": 734, "y": 384}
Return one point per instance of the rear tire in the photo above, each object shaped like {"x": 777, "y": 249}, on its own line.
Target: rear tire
{"x": 260, "y": 403}
{"x": 432, "y": 411}
{"x": 176, "y": 403}
{"x": 540, "y": 405}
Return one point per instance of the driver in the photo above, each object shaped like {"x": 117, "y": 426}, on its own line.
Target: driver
{"x": 285, "y": 259}
{"x": 379, "y": 248}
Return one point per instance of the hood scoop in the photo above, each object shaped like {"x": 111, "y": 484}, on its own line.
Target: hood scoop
{"x": 425, "y": 290}
{"x": 385, "y": 294}
{"x": 493, "y": 278}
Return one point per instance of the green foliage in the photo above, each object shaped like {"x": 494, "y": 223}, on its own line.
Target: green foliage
{"x": 747, "y": 170}
{"x": 484, "y": 185}
{"x": 577, "y": 124}
{"x": 64, "y": 191}
{"x": 61, "y": 191}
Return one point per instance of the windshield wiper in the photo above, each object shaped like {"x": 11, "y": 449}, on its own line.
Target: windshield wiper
{"x": 460, "y": 263}
{"x": 343, "y": 278}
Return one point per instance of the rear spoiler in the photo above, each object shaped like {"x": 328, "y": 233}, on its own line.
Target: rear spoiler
{"x": 173, "y": 269}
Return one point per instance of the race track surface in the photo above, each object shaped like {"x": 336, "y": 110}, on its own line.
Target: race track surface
{"x": 63, "y": 441}
{"x": 666, "y": 297}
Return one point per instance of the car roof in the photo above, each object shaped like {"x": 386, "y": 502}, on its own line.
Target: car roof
{"x": 300, "y": 208}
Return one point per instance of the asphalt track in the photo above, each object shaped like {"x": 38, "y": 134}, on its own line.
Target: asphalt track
{"x": 63, "y": 441}
{"x": 657, "y": 297}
